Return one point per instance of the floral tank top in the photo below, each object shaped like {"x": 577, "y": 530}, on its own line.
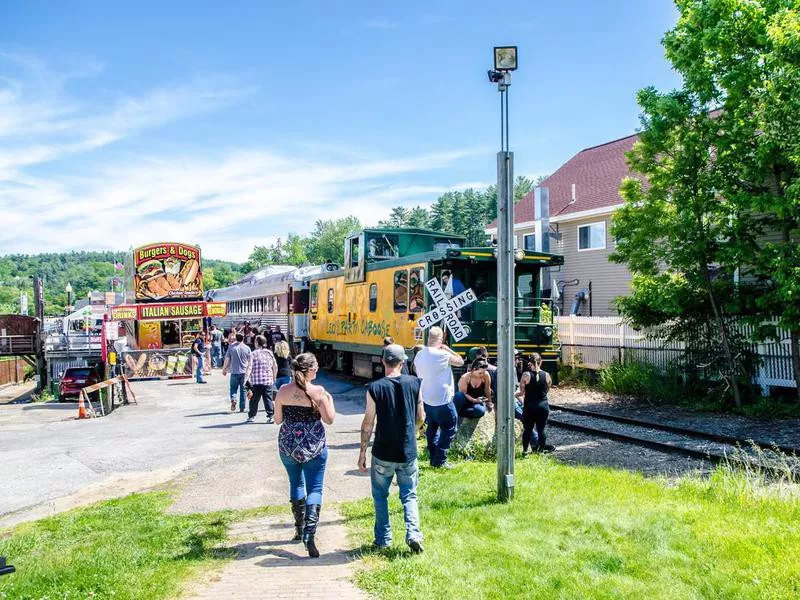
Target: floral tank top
{"x": 302, "y": 434}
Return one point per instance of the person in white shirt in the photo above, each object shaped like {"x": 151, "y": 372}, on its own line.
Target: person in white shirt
{"x": 433, "y": 365}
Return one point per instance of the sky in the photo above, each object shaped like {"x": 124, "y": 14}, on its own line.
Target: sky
{"x": 231, "y": 124}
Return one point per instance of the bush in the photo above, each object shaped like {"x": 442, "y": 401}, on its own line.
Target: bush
{"x": 640, "y": 380}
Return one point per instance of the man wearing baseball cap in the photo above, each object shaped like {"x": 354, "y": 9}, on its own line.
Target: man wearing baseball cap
{"x": 396, "y": 403}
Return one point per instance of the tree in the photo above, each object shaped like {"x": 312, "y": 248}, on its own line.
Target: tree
{"x": 418, "y": 217}
{"x": 727, "y": 149}
{"x": 672, "y": 232}
{"x": 397, "y": 218}
{"x": 440, "y": 214}
{"x": 743, "y": 56}
{"x": 327, "y": 240}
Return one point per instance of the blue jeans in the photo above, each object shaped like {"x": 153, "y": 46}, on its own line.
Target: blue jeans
{"x": 199, "y": 374}
{"x": 306, "y": 478}
{"x": 237, "y": 382}
{"x": 518, "y": 411}
{"x": 282, "y": 381}
{"x": 216, "y": 356}
{"x": 467, "y": 409}
{"x": 442, "y": 423}
{"x": 381, "y": 474}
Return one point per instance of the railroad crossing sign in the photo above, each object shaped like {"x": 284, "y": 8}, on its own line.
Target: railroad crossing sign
{"x": 446, "y": 310}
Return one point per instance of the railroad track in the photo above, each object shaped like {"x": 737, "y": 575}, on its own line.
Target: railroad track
{"x": 779, "y": 461}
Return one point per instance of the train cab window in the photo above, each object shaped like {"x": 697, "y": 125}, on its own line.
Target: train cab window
{"x": 330, "y": 300}
{"x": 401, "y": 291}
{"x": 354, "y": 251}
{"x": 313, "y": 297}
{"x": 416, "y": 291}
{"x": 383, "y": 247}
{"x": 373, "y": 297}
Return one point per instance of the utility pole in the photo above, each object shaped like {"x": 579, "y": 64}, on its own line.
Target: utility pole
{"x": 505, "y": 61}
{"x": 41, "y": 363}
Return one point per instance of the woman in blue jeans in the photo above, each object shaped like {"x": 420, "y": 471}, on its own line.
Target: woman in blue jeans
{"x": 284, "y": 359}
{"x": 301, "y": 408}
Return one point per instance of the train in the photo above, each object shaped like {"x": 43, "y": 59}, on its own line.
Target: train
{"x": 342, "y": 313}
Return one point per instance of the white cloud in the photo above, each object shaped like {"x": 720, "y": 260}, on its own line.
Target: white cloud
{"x": 227, "y": 200}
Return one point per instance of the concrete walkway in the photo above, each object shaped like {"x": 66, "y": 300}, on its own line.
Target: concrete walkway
{"x": 269, "y": 565}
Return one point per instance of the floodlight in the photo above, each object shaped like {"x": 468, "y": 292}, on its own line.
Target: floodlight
{"x": 505, "y": 58}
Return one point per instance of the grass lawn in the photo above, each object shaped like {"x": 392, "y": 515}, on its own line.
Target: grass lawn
{"x": 126, "y": 548}
{"x": 579, "y": 532}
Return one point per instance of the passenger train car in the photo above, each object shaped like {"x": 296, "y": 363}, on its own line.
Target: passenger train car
{"x": 273, "y": 295}
{"x": 344, "y": 313}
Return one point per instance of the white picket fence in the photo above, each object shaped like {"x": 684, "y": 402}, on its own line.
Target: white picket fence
{"x": 596, "y": 341}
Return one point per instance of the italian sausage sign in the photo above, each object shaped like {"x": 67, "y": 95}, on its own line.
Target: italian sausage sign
{"x": 446, "y": 310}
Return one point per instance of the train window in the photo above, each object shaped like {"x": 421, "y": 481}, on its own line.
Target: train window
{"x": 354, "y": 249}
{"x": 313, "y": 296}
{"x": 401, "y": 291}
{"x": 416, "y": 293}
{"x": 373, "y": 297}
{"x": 330, "y": 300}
{"x": 277, "y": 304}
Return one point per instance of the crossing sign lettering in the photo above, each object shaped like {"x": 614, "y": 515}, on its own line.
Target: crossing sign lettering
{"x": 446, "y": 310}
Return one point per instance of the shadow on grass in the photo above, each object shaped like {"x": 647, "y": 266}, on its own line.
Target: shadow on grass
{"x": 391, "y": 553}
{"x": 486, "y": 500}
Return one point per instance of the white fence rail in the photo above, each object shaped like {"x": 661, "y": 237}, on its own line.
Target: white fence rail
{"x": 596, "y": 341}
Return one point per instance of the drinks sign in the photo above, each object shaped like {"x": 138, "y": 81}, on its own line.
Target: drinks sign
{"x": 167, "y": 270}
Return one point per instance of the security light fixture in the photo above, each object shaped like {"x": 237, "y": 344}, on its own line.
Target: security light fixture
{"x": 505, "y": 58}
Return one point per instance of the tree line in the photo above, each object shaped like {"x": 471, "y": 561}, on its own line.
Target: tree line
{"x": 465, "y": 212}
{"x": 85, "y": 272}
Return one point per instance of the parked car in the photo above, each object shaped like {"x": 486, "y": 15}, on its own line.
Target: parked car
{"x": 74, "y": 380}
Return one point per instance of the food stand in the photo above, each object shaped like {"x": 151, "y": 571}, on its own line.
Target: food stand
{"x": 166, "y": 313}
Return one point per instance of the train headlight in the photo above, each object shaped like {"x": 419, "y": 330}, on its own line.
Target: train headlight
{"x": 548, "y": 331}
{"x": 519, "y": 255}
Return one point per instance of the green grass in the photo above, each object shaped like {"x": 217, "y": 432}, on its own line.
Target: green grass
{"x": 126, "y": 548}
{"x": 579, "y": 532}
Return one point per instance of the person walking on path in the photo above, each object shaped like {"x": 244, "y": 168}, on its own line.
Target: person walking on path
{"x": 276, "y": 335}
{"x": 396, "y": 403}
{"x": 216, "y": 347}
{"x": 207, "y": 357}
{"x": 533, "y": 388}
{"x": 433, "y": 365}
{"x": 301, "y": 408}
{"x": 198, "y": 350}
{"x": 237, "y": 360}
{"x": 261, "y": 376}
{"x": 284, "y": 360}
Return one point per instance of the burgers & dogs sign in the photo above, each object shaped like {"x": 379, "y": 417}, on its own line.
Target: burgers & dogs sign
{"x": 167, "y": 271}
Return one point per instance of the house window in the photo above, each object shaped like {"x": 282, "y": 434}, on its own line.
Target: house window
{"x": 373, "y": 297}
{"x": 592, "y": 236}
{"x": 401, "y": 291}
{"x": 330, "y": 300}
{"x": 529, "y": 241}
{"x": 313, "y": 296}
{"x": 416, "y": 292}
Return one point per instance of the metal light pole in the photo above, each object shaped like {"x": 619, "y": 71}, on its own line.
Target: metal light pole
{"x": 505, "y": 61}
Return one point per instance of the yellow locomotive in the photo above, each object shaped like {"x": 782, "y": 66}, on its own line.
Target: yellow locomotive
{"x": 380, "y": 291}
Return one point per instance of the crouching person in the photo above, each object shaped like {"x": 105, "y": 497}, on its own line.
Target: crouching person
{"x": 474, "y": 396}
{"x": 396, "y": 403}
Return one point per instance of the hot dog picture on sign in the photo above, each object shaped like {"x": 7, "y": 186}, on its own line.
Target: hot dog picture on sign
{"x": 167, "y": 271}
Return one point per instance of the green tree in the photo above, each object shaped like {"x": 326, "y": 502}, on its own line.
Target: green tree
{"x": 441, "y": 210}
{"x": 397, "y": 218}
{"x": 326, "y": 241}
{"x": 743, "y": 57}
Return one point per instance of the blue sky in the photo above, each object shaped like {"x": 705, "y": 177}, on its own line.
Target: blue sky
{"x": 230, "y": 124}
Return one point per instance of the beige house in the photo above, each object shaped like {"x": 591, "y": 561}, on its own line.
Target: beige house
{"x": 582, "y": 196}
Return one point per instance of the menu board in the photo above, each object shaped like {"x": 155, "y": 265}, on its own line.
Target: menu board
{"x": 167, "y": 271}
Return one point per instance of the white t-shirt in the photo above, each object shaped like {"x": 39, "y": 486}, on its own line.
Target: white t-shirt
{"x": 432, "y": 366}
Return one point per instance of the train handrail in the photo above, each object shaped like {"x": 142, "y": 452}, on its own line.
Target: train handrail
{"x": 307, "y": 313}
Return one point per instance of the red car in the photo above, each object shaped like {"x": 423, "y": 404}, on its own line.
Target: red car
{"x": 74, "y": 380}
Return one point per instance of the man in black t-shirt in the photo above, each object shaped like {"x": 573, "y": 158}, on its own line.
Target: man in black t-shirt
{"x": 199, "y": 351}
{"x": 396, "y": 403}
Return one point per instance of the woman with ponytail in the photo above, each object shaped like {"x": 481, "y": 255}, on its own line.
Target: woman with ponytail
{"x": 301, "y": 408}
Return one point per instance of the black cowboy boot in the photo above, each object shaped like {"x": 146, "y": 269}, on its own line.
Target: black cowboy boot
{"x": 312, "y": 518}
{"x": 299, "y": 512}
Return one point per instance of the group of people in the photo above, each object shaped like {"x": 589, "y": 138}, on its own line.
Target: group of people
{"x": 396, "y": 406}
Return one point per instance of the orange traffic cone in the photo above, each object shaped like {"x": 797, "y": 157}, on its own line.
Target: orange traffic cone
{"x": 81, "y": 407}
